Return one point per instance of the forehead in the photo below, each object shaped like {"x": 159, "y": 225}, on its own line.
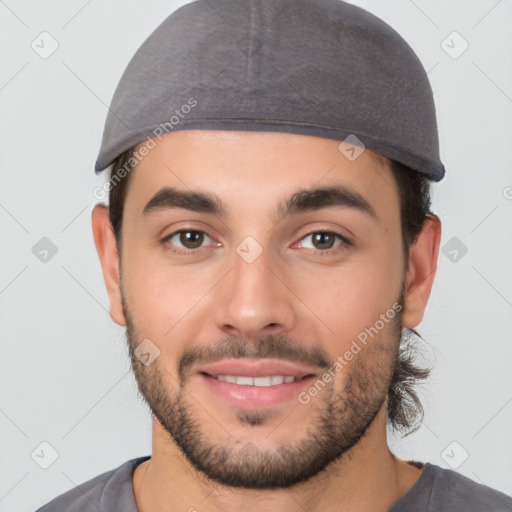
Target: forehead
{"x": 247, "y": 169}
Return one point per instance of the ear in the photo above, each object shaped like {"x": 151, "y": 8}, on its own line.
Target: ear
{"x": 105, "y": 242}
{"x": 421, "y": 271}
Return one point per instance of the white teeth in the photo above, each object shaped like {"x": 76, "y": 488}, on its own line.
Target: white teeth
{"x": 262, "y": 381}
{"x": 245, "y": 381}
{"x": 270, "y": 380}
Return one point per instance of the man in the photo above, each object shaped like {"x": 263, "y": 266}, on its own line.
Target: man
{"x": 268, "y": 237}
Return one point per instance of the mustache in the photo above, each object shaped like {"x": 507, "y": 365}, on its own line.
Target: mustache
{"x": 275, "y": 347}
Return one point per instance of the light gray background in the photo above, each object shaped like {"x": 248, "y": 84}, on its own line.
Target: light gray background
{"x": 64, "y": 370}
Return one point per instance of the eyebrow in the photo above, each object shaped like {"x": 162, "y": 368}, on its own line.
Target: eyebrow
{"x": 189, "y": 200}
{"x": 302, "y": 201}
{"x": 317, "y": 198}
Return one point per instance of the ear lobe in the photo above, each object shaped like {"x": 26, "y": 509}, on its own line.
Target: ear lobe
{"x": 421, "y": 271}
{"x": 105, "y": 242}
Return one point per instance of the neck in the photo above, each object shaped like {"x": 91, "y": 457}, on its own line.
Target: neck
{"x": 367, "y": 478}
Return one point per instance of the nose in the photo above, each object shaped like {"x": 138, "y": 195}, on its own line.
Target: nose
{"x": 254, "y": 299}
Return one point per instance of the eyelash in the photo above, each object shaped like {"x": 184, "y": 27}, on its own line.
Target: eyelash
{"x": 317, "y": 252}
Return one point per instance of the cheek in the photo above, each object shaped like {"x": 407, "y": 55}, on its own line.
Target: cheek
{"x": 352, "y": 296}
{"x": 164, "y": 298}
{"x": 161, "y": 303}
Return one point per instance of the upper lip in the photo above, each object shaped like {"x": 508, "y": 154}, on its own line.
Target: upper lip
{"x": 254, "y": 368}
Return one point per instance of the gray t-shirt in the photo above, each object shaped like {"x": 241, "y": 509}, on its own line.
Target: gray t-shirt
{"x": 436, "y": 490}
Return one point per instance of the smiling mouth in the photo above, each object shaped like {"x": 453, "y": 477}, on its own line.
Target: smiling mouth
{"x": 261, "y": 381}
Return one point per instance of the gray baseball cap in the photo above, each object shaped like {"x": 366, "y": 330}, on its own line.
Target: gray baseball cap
{"x": 315, "y": 67}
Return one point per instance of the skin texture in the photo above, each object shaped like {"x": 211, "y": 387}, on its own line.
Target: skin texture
{"x": 289, "y": 303}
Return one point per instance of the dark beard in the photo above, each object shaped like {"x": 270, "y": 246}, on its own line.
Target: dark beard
{"x": 342, "y": 420}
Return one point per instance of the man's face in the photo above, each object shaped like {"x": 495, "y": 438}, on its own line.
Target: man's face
{"x": 282, "y": 296}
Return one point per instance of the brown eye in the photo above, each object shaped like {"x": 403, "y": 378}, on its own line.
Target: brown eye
{"x": 185, "y": 240}
{"x": 323, "y": 240}
{"x": 191, "y": 239}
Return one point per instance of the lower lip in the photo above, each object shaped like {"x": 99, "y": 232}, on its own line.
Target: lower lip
{"x": 255, "y": 396}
